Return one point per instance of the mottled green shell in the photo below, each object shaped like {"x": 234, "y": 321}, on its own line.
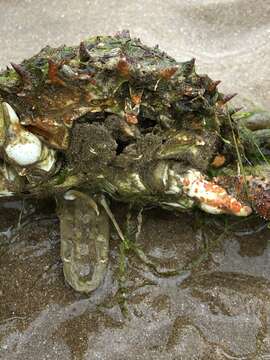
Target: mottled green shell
{"x": 111, "y": 74}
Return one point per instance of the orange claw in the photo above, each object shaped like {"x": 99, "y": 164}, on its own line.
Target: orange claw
{"x": 211, "y": 197}
{"x": 131, "y": 119}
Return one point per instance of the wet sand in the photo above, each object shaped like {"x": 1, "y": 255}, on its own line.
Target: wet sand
{"x": 218, "y": 305}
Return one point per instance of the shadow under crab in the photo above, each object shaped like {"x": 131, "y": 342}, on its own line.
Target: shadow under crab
{"x": 115, "y": 118}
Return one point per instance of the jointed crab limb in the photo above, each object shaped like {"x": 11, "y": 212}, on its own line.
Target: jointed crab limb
{"x": 168, "y": 186}
{"x": 212, "y": 198}
{"x": 84, "y": 228}
{"x": 104, "y": 204}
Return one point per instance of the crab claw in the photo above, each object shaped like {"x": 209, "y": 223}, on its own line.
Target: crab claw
{"x": 211, "y": 197}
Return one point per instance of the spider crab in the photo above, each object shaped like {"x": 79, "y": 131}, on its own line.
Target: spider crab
{"x": 115, "y": 118}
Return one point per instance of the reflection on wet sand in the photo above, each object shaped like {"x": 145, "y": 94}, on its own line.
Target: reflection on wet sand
{"x": 220, "y": 301}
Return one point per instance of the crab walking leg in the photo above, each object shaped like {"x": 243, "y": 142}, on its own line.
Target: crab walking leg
{"x": 211, "y": 197}
{"x": 84, "y": 228}
{"x": 168, "y": 186}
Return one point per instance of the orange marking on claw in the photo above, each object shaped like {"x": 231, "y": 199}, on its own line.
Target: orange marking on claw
{"x": 235, "y": 205}
{"x": 212, "y": 197}
{"x": 131, "y": 119}
{"x": 136, "y": 99}
{"x": 213, "y": 187}
{"x": 228, "y": 204}
{"x": 225, "y": 201}
{"x": 186, "y": 182}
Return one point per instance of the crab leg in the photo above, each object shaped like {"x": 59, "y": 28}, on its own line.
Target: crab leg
{"x": 171, "y": 188}
{"x": 84, "y": 228}
{"x": 211, "y": 197}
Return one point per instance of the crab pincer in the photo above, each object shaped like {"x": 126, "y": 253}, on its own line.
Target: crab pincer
{"x": 211, "y": 197}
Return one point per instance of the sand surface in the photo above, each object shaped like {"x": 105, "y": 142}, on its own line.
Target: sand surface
{"x": 229, "y": 38}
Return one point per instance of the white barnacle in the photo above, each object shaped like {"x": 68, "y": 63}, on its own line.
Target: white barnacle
{"x": 70, "y": 195}
{"x": 200, "y": 142}
{"x": 23, "y": 148}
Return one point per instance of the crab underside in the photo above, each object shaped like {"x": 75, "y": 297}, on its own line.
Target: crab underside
{"x": 115, "y": 118}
